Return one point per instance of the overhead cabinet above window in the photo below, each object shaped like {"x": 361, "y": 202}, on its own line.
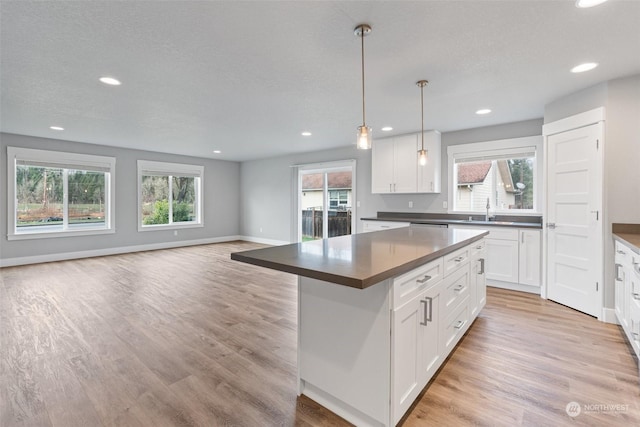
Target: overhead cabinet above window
{"x": 395, "y": 169}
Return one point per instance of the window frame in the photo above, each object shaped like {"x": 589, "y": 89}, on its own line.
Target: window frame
{"x": 505, "y": 147}
{"x": 154, "y": 168}
{"x": 65, "y": 161}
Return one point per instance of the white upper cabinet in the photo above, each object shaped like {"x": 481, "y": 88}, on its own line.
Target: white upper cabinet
{"x": 429, "y": 174}
{"x": 395, "y": 169}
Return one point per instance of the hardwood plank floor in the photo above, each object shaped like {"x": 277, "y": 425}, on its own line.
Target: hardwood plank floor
{"x": 187, "y": 337}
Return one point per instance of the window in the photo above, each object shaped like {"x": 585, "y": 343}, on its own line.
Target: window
{"x": 169, "y": 194}
{"x": 505, "y": 174}
{"x": 338, "y": 199}
{"x": 55, "y": 192}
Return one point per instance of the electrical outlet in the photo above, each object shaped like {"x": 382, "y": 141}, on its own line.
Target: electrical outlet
{"x": 358, "y": 204}
{"x": 261, "y": 229}
{"x": 444, "y": 205}
{"x": 175, "y": 232}
{"x": 410, "y": 204}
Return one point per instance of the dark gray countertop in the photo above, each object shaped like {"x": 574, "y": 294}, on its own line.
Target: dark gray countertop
{"x": 362, "y": 260}
{"x": 478, "y": 220}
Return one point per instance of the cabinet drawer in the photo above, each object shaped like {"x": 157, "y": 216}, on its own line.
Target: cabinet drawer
{"x": 455, "y": 288}
{"x": 456, "y": 260}
{"x": 623, "y": 254}
{"x": 634, "y": 326}
{"x": 503, "y": 233}
{"x": 368, "y": 226}
{"x": 455, "y": 326}
{"x": 477, "y": 248}
{"x": 410, "y": 284}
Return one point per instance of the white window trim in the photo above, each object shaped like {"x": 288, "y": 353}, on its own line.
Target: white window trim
{"x": 493, "y": 148}
{"x": 53, "y": 158}
{"x": 146, "y": 167}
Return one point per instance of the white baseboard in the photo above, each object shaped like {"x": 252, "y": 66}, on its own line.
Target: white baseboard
{"x": 514, "y": 286}
{"x": 609, "y": 316}
{"x": 9, "y": 262}
{"x": 271, "y": 242}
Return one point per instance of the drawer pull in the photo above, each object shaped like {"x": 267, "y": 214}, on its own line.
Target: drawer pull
{"x": 428, "y": 303}
{"x": 636, "y": 267}
{"x": 481, "y": 266}
{"x": 479, "y": 247}
{"x": 635, "y": 336}
{"x": 458, "y": 288}
{"x": 460, "y": 258}
{"x": 460, "y": 324}
{"x": 636, "y": 296}
{"x": 618, "y": 268}
{"x": 426, "y": 278}
{"x": 621, "y": 252}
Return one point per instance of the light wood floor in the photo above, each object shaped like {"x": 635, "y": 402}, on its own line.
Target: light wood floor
{"x": 187, "y": 337}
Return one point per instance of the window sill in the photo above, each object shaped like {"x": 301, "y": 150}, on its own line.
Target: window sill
{"x": 58, "y": 234}
{"x": 168, "y": 227}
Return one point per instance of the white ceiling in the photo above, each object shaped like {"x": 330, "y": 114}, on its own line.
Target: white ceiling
{"x": 247, "y": 78}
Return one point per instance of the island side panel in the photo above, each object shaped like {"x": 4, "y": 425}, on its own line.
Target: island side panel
{"x": 344, "y": 349}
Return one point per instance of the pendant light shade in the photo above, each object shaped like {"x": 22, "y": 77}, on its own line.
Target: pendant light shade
{"x": 423, "y": 157}
{"x": 363, "y": 141}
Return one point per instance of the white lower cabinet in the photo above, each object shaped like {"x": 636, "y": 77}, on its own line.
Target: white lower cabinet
{"x": 446, "y": 295}
{"x": 368, "y": 226}
{"x": 627, "y": 293}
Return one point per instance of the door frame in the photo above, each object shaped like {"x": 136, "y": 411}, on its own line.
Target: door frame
{"x": 587, "y": 118}
{"x": 322, "y": 167}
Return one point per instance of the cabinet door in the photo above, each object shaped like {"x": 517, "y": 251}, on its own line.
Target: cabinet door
{"x": 620, "y": 295}
{"x": 429, "y": 174}
{"x": 405, "y": 164}
{"x": 382, "y": 166}
{"x": 481, "y": 283}
{"x": 529, "y": 265}
{"x": 430, "y": 352}
{"x": 405, "y": 356}
{"x": 502, "y": 260}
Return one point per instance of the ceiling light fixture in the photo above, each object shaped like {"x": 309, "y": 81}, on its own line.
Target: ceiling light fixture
{"x": 583, "y": 4}
{"x": 217, "y": 151}
{"x": 422, "y": 153}
{"x": 483, "y": 111}
{"x": 386, "y": 129}
{"x": 306, "y": 133}
{"x": 56, "y": 128}
{"x": 587, "y": 66}
{"x": 110, "y": 81}
{"x": 364, "y": 132}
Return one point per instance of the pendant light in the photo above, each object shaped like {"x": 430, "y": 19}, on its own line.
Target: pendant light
{"x": 422, "y": 153}
{"x": 363, "y": 141}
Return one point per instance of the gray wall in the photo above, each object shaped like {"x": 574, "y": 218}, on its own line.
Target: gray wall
{"x": 267, "y": 184}
{"x": 621, "y": 194}
{"x": 221, "y": 201}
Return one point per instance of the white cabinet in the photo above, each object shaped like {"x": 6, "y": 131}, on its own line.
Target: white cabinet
{"x": 529, "y": 258}
{"x": 429, "y": 174}
{"x": 477, "y": 278}
{"x": 513, "y": 257}
{"x": 368, "y": 226}
{"x": 394, "y": 165}
{"x": 395, "y": 169}
{"x": 627, "y": 293}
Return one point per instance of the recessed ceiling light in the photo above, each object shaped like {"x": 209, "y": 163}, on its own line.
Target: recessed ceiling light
{"x": 588, "y": 3}
{"x": 483, "y": 111}
{"x": 56, "y": 128}
{"x": 584, "y": 67}
{"x": 110, "y": 81}
{"x": 387, "y": 129}
{"x": 306, "y": 133}
{"x": 217, "y": 151}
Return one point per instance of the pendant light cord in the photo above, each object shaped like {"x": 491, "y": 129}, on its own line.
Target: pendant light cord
{"x": 422, "y": 112}
{"x": 362, "y": 48}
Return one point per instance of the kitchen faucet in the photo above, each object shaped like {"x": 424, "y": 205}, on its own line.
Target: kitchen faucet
{"x": 486, "y": 217}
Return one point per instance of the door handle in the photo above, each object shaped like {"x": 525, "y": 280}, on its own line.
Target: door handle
{"x": 551, "y": 225}
{"x": 618, "y": 267}
{"x": 597, "y": 214}
{"x": 428, "y": 303}
{"x": 481, "y": 266}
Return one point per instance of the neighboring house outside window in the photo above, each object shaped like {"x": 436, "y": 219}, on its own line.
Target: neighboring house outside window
{"x": 505, "y": 172}
{"x": 56, "y": 193}
{"x": 339, "y": 191}
{"x": 169, "y": 195}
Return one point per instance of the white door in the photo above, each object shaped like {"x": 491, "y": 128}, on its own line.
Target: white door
{"x": 574, "y": 218}
{"x": 382, "y": 166}
{"x": 529, "y": 265}
{"x": 405, "y": 159}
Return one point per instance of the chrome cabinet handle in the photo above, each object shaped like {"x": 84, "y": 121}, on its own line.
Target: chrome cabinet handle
{"x": 458, "y": 288}
{"x": 479, "y": 246}
{"x": 460, "y": 258}
{"x": 428, "y": 302}
{"x": 551, "y": 225}
{"x": 481, "y": 266}
{"x": 620, "y": 252}
{"x": 618, "y": 268}
{"x": 460, "y": 324}
{"x": 636, "y": 267}
{"x": 426, "y": 278}
{"x": 390, "y": 190}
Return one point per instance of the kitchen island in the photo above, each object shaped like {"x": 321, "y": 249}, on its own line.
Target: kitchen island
{"x": 378, "y": 313}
